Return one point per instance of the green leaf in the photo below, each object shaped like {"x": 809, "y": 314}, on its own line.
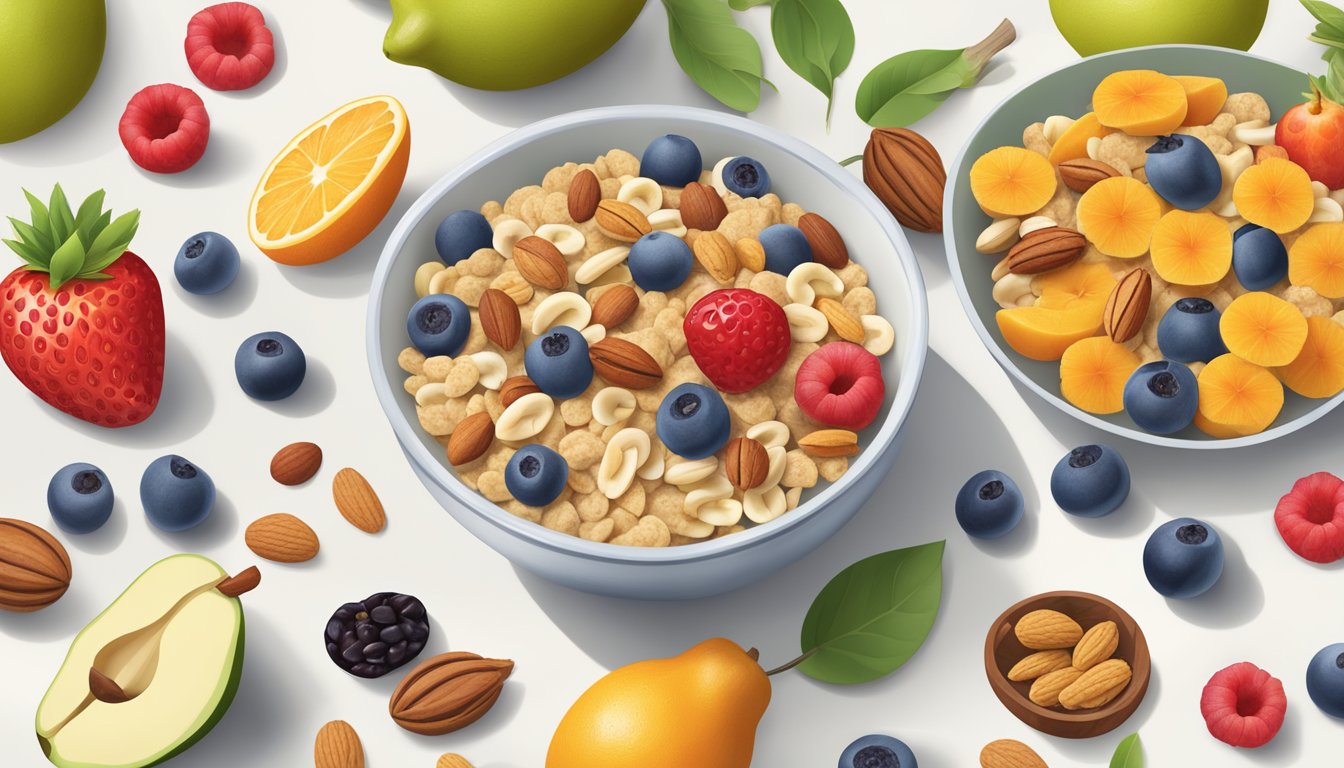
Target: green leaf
{"x": 1329, "y": 16}
{"x": 26, "y": 252}
{"x": 67, "y": 261}
{"x": 742, "y": 5}
{"x": 910, "y": 85}
{"x": 872, "y": 617}
{"x": 112, "y": 241}
{"x": 721, "y": 57}
{"x": 40, "y": 217}
{"x": 62, "y": 221}
{"x": 39, "y": 238}
{"x": 95, "y": 228}
{"x": 89, "y": 211}
{"x": 1129, "y": 754}
{"x": 1334, "y": 77}
{"x": 815, "y": 38}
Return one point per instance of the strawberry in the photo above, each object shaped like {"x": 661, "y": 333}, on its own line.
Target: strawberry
{"x": 81, "y": 324}
{"x": 1310, "y": 518}
{"x": 737, "y": 337}
{"x": 1243, "y": 705}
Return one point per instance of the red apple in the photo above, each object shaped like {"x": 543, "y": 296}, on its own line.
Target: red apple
{"x": 1313, "y": 134}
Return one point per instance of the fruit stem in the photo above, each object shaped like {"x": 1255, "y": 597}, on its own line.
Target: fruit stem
{"x": 105, "y": 689}
{"x": 246, "y": 581}
{"x": 1314, "y": 106}
{"x": 753, "y": 654}
{"x": 848, "y": 161}
{"x": 792, "y": 664}
{"x": 1002, "y": 37}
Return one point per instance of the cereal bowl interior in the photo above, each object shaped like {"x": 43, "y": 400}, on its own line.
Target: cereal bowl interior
{"x": 1069, "y": 92}
{"x": 799, "y": 174}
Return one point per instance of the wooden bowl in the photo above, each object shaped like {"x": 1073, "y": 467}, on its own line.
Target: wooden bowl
{"x": 1002, "y": 651}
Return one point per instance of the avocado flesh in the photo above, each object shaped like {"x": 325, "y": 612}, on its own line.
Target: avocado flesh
{"x": 174, "y": 644}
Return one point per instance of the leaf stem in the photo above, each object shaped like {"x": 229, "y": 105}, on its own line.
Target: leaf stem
{"x": 792, "y": 664}
{"x": 1002, "y": 37}
{"x": 848, "y": 161}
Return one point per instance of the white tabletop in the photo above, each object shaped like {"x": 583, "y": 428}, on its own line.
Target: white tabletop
{"x": 1270, "y": 607}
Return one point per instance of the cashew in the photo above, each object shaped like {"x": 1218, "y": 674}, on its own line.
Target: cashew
{"x": 493, "y": 369}
{"x": 806, "y": 323}
{"x": 1055, "y": 126}
{"x": 668, "y": 220}
{"x": 508, "y": 232}
{"x": 1034, "y": 224}
{"x": 1257, "y": 133}
{"x": 600, "y": 263}
{"x": 720, "y": 512}
{"x": 684, "y": 473}
{"x": 770, "y": 434}
{"x": 1014, "y": 291}
{"x": 716, "y": 175}
{"x": 566, "y": 239}
{"x": 764, "y": 506}
{"x": 878, "y": 335}
{"x": 998, "y": 236}
{"x": 563, "y": 308}
{"x": 1326, "y": 210}
{"x": 593, "y": 333}
{"x": 525, "y": 417}
{"x": 811, "y": 279}
{"x": 1232, "y": 166}
{"x": 642, "y": 193}
{"x": 612, "y": 405}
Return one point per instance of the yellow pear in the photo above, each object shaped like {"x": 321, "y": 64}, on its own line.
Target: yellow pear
{"x": 696, "y": 710}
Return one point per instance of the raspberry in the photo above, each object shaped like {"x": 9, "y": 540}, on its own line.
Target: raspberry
{"x": 840, "y": 385}
{"x": 739, "y": 338}
{"x": 229, "y": 47}
{"x": 165, "y": 128}
{"x": 1310, "y": 518}
{"x": 1243, "y": 705}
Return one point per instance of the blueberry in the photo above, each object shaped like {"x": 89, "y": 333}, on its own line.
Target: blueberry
{"x": 671, "y": 160}
{"x": 176, "y": 494}
{"x": 878, "y": 751}
{"x": 1189, "y": 331}
{"x": 746, "y": 177}
{"x": 536, "y": 475}
{"x": 1325, "y": 679}
{"x": 1183, "y": 558}
{"x": 693, "y": 421}
{"x": 206, "y": 263}
{"x": 785, "y": 248}
{"x": 1162, "y": 397}
{"x": 1183, "y": 171}
{"x": 438, "y": 325}
{"x": 660, "y": 261}
{"x": 989, "y": 505}
{"x": 460, "y": 234}
{"x": 1091, "y": 481}
{"x": 557, "y": 362}
{"x": 79, "y": 497}
{"x": 1259, "y": 258}
{"x": 269, "y": 366}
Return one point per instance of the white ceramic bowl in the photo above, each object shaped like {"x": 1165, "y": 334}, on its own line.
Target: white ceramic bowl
{"x": 801, "y": 174}
{"x": 1067, "y": 91}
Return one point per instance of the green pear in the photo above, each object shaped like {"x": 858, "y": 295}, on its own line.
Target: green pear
{"x": 504, "y": 45}
{"x": 1094, "y": 26}
{"x": 150, "y": 675}
{"x": 50, "y": 51}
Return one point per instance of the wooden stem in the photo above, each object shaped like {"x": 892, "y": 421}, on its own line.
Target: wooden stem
{"x": 1002, "y": 37}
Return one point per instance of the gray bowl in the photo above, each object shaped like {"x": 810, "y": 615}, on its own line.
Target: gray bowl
{"x": 801, "y": 174}
{"x": 1068, "y": 91}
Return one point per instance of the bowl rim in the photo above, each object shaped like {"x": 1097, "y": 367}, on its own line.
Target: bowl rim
{"x": 1141, "y": 666}
{"x": 1008, "y": 364}
{"x": 912, "y": 368}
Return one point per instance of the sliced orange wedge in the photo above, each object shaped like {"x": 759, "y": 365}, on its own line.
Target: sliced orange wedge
{"x": 332, "y": 184}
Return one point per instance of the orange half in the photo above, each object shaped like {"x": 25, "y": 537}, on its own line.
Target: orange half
{"x": 332, "y": 184}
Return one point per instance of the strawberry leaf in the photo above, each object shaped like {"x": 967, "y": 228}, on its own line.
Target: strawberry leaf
{"x": 112, "y": 241}
{"x": 95, "y": 276}
{"x": 35, "y": 237}
{"x": 39, "y": 213}
{"x": 89, "y": 211}
{"x": 90, "y": 233}
{"x": 62, "y": 221}
{"x": 26, "y": 252}
{"x": 67, "y": 261}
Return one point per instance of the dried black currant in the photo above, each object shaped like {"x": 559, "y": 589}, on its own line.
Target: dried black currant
{"x": 373, "y": 637}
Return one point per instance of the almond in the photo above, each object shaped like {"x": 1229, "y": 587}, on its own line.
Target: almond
{"x": 515, "y": 387}
{"x": 624, "y": 364}
{"x": 1045, "y": 690}
{"x": 614, "y": 306}
{"x": 906, "y": 173}
{"x": 34, "y": 567}
{"x": 357, "y": 502}
{"x": 500, "y": 319}
{"x": 1007, "y": 753}
{"x": 1098, "y": 644}
{"x": 541, "y": 263}
{"x": 827, "y": 246}
{"x": 746, "y": 462}
{"x": 1046, "y": 249}
{"x": 701, "y": 207}
{"x": 1081, "y": 174}
{"x": 1046, "y": 630}
{"x": 471, "y": 438}
{"x": 1097, "y": 686}
{"x": 448, "y": 692}
{"x": 716, "y": 255}
{"x": 585, "y": 191}
{"x": 750, "y": 254}
{"x": 282, "y": 538}
{"x": 1038, "y": 664}
{"x": 1127, "y": 307}
{"x": 338, "y": 746}
{"x": 452, "y": 760}
{"x": 622, "y": 221}
{"x": 826, "y": 443}
{"x": 842, "y": 321}
{"x": 296, "y": 463}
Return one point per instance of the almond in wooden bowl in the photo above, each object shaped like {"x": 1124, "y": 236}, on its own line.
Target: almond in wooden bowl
{"x": 1004, "y": 651}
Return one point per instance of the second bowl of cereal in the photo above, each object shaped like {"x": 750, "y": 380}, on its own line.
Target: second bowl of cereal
{"x": 652, "y": 352}
{"x": 1134, "y": 245}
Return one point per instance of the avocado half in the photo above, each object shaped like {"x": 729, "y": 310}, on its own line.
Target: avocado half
{"x": 174, "y": 645}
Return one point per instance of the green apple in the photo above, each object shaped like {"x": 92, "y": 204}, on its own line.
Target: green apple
{"x": 504, "y": 45}
{"x": 173, "y": 645}
{"x": 1094, "y": 26}
{"x": 50, "y": 52}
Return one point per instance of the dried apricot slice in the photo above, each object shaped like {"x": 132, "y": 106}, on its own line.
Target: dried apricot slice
{"x": 1276, "y": 194}
{"x": 1072, "y": 144}
{"x": 1012, "y": 181}
{"x": 1318, "y": 370}
{"x": 1263, "y": 329}
{"x": 1204, "y": 96}
{"x": 1237, "y": 398}
{"x": 1140, "y": 102}
{"x": 1317, "y": 260}
{"x": 1044, "y": 334}
{"x": 1191, "y": 248}
{"x": 1076, "y": 286}
{"x": 1093, "y": 372}
{"x": 1118, "y": 215}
